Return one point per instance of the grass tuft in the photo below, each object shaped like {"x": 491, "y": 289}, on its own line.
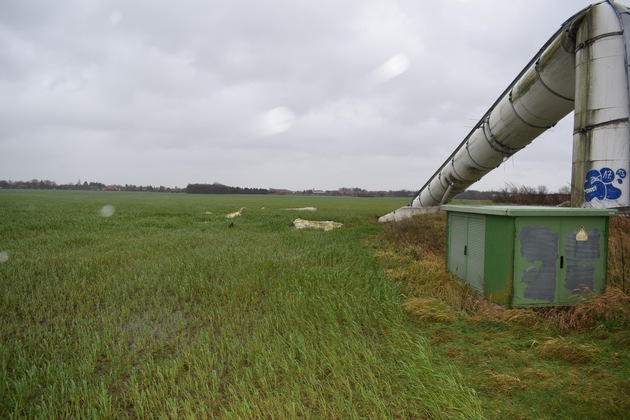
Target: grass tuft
{"x": 610, "y": 306}
{"x": 430, "y": 310}
{"x": 503, "y": 383}
{"x": 567, "y": 350}
{"x": 521, "y": 317}
{"x": 424, "y": 233}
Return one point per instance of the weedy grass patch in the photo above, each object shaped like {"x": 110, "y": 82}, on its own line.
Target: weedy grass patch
{"x": 566, "y": 350}
{"x": 155, "y": 305}
{"x": 568, "y": 362}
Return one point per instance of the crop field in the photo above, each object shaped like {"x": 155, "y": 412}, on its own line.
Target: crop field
{"x": 156, "y": 305}
{"x": 165, "y": 307}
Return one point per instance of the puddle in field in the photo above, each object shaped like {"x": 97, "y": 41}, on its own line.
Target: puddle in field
{"x": 107, "y": 210}
{"x": 149, "y": 331}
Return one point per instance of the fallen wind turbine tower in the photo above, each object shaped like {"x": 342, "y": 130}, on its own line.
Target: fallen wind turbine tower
{"x": 582, "y": 68}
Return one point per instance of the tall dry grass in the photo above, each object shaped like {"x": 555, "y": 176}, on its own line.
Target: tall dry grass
{"x": 619, "y": 253}
{"x": 415, "y": 256}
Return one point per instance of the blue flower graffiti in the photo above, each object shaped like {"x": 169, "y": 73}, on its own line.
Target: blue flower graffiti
{"x": 599, "y": 184}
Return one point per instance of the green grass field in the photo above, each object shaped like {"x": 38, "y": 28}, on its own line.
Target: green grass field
{"x": 155, "y": 305}
{"x": 163, "y": 309}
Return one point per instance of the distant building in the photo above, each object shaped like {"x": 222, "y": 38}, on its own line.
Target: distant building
{"x": 280, "y": 191}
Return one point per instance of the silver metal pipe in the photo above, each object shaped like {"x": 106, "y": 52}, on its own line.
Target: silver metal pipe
{"x": 583, "y": 67}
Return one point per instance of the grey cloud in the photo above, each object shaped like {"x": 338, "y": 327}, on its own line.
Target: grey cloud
{"x": 163, "y": 92}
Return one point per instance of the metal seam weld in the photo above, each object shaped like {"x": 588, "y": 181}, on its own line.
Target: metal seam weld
{"x": 431, "y": 194}
{"x": 598, "y": 125}
{"x": 474, "y": 161}
{"x": 456, "y": 175}
{"x": 420, "y": 197}
{"x": 537, "y": 68}
{"x": 590, "y": 41}
{"x": 440, "y": 177}
{"x": 501, "y": 148}
{"x": 461, "y": 178}
{"x": 522, "y": 119}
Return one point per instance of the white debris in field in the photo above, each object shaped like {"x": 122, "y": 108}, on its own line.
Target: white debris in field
{"x": 207, "y": 212}
{"x": 235, "y": 213}
{"x": 303, "y": 209}
{"x": 327, "y": 225}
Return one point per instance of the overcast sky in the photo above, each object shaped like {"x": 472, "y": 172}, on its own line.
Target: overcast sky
{"x": 269, "y": 94}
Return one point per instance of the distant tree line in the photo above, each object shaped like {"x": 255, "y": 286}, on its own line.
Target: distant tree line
{"x": 521, "y": 195}
{"x": 510, "y": 194}
{"x": 35, "y": 184}
{"x": 527, "y": 196}
{"x": 217, "y": 188}
{"x": 359, "y": 192}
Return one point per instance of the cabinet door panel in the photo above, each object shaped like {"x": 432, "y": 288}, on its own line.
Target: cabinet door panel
{"x": 536, "y": 261}
{"x": 476, "y": 251}
{"x": 457, "y": 245}
{"x": 583, "y": 269}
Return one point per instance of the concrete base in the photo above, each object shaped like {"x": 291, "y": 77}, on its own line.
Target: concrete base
{"x": 406, "y": 212}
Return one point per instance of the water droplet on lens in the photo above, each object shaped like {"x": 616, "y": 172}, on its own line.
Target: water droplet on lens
{"x": 273, "y": 121}
{"x": 107, "y": 210}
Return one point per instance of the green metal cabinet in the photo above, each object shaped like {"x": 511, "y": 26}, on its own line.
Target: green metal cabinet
{"x": 528, "y": 256}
